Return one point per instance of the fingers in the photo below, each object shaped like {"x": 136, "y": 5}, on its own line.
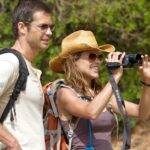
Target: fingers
{"x": 122, "y": 57}
{"x": 145, "y": 68}
{"x": 146, "y": 61}
{"x": 109, "y": 57}
{"x": 115, "y": 57}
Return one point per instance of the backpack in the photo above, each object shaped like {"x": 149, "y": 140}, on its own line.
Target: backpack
{"x": 20, "y": 84}
{"x": 55, "y": 137}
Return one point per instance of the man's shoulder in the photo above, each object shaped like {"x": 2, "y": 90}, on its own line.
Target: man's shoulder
{"x": 9, "y": 58}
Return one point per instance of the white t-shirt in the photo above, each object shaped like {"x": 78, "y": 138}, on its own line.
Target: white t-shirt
{"x": 28, "y": 125}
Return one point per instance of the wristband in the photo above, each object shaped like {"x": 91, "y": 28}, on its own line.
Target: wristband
{"x": 145, "y": 84}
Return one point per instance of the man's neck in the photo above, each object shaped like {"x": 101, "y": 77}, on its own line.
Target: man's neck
{"x": 25, "y": 50}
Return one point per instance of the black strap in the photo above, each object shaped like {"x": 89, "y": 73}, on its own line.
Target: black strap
{"x": 20, "y": 83}
{"x": 122, "y": 109}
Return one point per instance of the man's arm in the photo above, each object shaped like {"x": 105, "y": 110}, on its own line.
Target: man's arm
{"x": 8, "y": 75}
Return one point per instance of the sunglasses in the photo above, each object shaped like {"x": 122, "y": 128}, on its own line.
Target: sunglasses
{"x": 94, "y": 56}
{"x": 45, "y": 27}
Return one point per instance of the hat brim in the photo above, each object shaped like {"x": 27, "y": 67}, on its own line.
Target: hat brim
{"x": 56, "y": 64}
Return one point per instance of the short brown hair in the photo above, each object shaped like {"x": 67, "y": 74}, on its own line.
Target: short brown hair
{"x": 24, "y": 11}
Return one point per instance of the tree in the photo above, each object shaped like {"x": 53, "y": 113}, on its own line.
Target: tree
{"x": 123, "y": 23}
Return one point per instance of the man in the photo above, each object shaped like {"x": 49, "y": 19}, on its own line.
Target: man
{"x": 32, "y": 31}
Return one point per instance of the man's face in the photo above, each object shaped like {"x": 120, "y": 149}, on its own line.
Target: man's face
{"x": 40, "y": 31}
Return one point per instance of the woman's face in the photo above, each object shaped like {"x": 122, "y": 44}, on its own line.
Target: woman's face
{"x": 88, "y": 64}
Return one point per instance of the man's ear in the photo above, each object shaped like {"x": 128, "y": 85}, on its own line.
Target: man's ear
{"x": 22, "y": 28}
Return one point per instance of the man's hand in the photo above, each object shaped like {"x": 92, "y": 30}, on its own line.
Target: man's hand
{"x": 14, "y": 145}
{"x": 8, "y": 139}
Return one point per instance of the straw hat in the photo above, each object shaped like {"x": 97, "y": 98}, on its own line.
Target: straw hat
{"x": 78, "y": 41}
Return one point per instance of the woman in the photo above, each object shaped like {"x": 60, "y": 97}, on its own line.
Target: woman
{"x": 79, "y": 60}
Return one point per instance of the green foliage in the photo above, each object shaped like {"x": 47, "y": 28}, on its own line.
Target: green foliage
{"x": 123, "y": 23}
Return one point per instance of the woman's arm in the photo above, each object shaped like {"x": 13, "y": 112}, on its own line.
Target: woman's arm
{"x": 68, "y": 101}
{"x": 131, "y": 108}
{"x": 144, "y": 109}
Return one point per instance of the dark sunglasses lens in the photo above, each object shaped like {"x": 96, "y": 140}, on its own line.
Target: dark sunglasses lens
{"x": 44, "y": 26}
{"x": 92, "y": 57}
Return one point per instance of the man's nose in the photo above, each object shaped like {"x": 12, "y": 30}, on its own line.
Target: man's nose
{"x": 49, "y": 32}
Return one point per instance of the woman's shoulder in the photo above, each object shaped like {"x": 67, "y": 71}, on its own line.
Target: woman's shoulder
{"x": 65, "y": 89}
{"x": 62, "y": 86}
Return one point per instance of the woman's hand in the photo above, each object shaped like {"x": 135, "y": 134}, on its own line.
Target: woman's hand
{"x": 144, "y": 111}
{"x": 145, "y": 69}
{"x": 116, "y": 57}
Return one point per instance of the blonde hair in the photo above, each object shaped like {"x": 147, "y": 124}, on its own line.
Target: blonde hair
{"x": 75, "y": 78}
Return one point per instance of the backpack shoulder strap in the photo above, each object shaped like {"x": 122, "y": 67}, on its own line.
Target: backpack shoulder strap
{"x": 53, "y": 128}
{"x": 20, "y": 83}
{"x": 51, "y": 91}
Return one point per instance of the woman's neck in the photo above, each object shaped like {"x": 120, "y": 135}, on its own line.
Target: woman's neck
{"x": 90, "y": 90}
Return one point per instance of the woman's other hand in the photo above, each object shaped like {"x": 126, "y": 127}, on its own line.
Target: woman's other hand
{"x": 145, "y": 69}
